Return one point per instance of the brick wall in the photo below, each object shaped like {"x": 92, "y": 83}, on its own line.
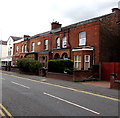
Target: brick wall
{"x": 114, "y": 84}
{"x": 60, "y": 76}
{"x": 81, "y": 75}
{"x": 102, "y": 35}
{"x": 110, "y": 37}
{"x": 92, "y": 31}
{"x": 77, "y": 76}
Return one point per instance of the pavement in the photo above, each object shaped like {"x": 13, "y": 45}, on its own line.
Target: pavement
{"x": 105, "y": 84}
{"x": 96, "y": 87}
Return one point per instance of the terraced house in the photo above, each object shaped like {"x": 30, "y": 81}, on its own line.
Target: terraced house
{"x": 88, "y": 43}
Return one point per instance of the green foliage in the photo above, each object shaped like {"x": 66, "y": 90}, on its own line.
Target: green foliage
{"x": 60, "y": 66}
{"x": 28, "y": 65}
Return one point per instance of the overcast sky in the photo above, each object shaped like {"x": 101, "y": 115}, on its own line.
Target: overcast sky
{"x": 30, "y": 17}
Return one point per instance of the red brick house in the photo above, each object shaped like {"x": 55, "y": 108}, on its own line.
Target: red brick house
{"x": 88, "y": 42}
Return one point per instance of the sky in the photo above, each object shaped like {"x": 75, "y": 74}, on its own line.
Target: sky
{"x": 31, "y": 17}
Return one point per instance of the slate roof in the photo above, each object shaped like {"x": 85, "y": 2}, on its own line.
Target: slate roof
{"x": 87, "y": 21}
{"x": 15, "y": 38}
{"x": 3, "y": 42}
{"x": 73, "y": 25}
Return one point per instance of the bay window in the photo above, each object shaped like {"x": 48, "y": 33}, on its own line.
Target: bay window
{"x": 86, "y": 62}
{"x": 77, "y": 62}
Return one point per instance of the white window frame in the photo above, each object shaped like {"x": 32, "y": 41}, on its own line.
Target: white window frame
{"x": 33, "y": 47}
{"x": 58, "y": 43}
{"x": 82, "y": 39}
{"x": 78, "y": 62}
{"x": 46, "y": 44}
{"x": 86, "y": 61}
{"x": 64, "y": 42}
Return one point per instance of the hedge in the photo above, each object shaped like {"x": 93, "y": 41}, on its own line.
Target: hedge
{"x": 60, "y": 66}
{"x": 28, "y": 65}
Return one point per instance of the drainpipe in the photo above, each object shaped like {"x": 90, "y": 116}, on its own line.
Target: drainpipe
{"x": 93, "y": 55}
{"x": 69, "y": 41}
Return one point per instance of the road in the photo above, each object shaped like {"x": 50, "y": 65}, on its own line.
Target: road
{"x": 24, "y": 97}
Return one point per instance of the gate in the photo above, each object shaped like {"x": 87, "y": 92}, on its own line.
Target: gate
{"x": 109, "y": 67}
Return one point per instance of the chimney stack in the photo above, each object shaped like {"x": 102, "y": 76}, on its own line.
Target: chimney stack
{"x": 55, "y": 25}
{"x": 115, "y": 10}
{"x": 26, "y": 36}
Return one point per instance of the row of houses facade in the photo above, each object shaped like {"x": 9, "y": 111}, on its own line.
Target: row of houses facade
{"x": 87, "y": 43}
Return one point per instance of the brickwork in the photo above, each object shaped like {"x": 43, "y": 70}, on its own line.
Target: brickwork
{"x": 110, "y": 37}
{"x": 60, "y": 76}
{"x": 81, "y": 75}
{"x": 55, "y": 25}
{"x": 114, "y": 84}
{"x": 102, "y": 42}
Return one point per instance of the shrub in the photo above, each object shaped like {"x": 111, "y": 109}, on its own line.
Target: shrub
{"x": 28, "y": 65}
{"x": 60, "y": 66}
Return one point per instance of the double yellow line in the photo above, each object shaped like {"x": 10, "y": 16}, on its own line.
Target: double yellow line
{"x": 69, "y": 88}
{"x": 4, "y": 112}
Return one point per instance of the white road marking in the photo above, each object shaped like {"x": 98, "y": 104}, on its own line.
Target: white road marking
{"x": 20, "y": 85}
{"x": 72, "y": 103}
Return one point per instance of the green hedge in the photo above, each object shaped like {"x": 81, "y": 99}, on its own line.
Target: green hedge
{"x": 60, "y": 66}
{"x": 28, "y": 65}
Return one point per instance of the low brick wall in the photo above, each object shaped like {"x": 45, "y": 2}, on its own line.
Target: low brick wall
{"x": 114, "y": 84}
{"x": 15, "y": 69}
{"x": 60, "y": 76}
{"x": 77, "y": 76}
{"x": 80, "y": 75}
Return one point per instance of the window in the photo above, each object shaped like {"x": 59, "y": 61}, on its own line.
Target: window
{"x": 58, "y": 42}
{"x": 86, "y": 62}
{"x": 22, "y": 48}
{"x": 39, "y": 43}
{"x": 64, "y": 42}
{"x": 17, "y": 48}
{"x": 46, "y": 44}
{"x": 25, "y": 48}
{"x": 82, "y": 38}
{"x": 9, "y": 51}
{"x": 33, "y": 47}
{"x": 9, "y": 42}
{"x": 77, "y": 62}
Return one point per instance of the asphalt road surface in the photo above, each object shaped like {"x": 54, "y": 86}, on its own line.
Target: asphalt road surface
{"x": 24, "y": 97}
